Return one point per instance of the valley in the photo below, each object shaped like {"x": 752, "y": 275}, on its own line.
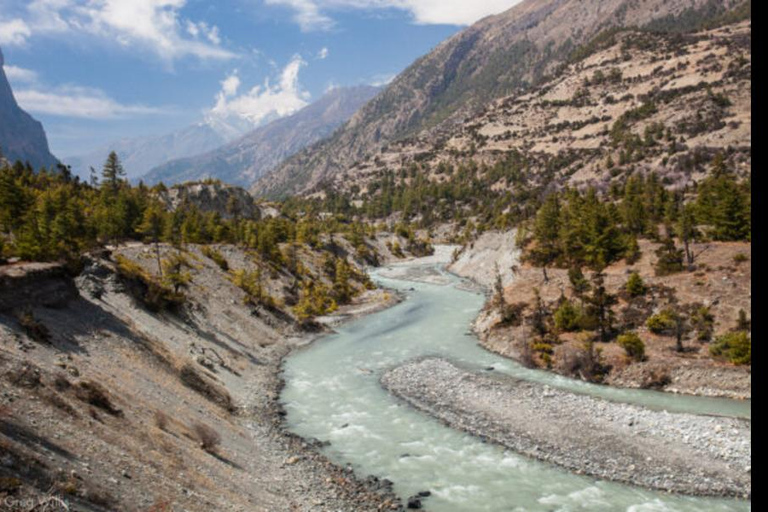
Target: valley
{"x": 517, "y": 275}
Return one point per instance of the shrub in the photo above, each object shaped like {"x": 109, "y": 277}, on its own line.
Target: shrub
{"x": 208, "y": 437}
{"x": 632, "y": 345}
{"x": 315, "y": 300}
{"x": 215, "y": 256}
{"x": 740, "y": 258}
{"x": 669, "y": 258}
{"x": 632, "y": 253}
{"x": 251, "y": 283}
{"x": 568, "y": 317}
{"x": 736, "y": 347}
{"x": 197, "y": 381}
{"x": 743, "y": 323}
{"x": 635, "y": 286}
{"x": 397, "y": 251}
{"x": 154, "y": 295}
{"x": 94, "y": 394}
{"x": 512, "y": 314}
{"x": 161, "y": 420}
{"x": 661, "y": 322}
{"x": 704, "y": 322}
{"x": 33, "y": 328}
{"x": 175, "y": 274}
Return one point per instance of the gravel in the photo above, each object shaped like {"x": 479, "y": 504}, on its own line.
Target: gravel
{"x": 680, "y": 453}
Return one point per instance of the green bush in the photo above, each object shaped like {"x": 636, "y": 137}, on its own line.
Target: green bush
{"x": 669, "y": 258}
{"x": 736, "y": 347}
{"x": 740, "y": 258}
{"x": 661, "y": 322}
{"x": 635, "y": 285}
{"x": 632, "y": 345}
{"x": 568, "y": 317}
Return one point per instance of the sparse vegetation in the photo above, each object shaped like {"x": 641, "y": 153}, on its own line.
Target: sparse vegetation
{"x": 96, "y": 395}
{"x": 635, "y": 285}
{"x": 632, "y": 345}
{"x": 207, "y": 436}
{"x": 736, "y": 347}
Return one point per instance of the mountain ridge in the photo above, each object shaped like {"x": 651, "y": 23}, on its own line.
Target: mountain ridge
{"x": 491, "y": 59}
{"x": 249, "y": 157}
{"x": 22, "y": 137}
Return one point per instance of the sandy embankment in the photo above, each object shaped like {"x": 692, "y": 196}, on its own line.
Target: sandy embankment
{"x": 681, "y": 453}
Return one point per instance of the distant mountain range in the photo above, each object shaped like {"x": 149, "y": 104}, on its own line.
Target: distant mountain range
{"x": 21, "y": 136}
{"x": 250, "y": 157}
{"x": 498, "y": 56}
{"x": 140, "y": 154}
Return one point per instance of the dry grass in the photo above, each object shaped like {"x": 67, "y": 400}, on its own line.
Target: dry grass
{"x": 96, "y": 395}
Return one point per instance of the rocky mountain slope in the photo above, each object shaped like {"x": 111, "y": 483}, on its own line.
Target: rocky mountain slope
{"x": 637, "y": 103}
{"x": 513, "y": 51}
{"x": 21, "y": 136}
{"x": 249, "y": 158}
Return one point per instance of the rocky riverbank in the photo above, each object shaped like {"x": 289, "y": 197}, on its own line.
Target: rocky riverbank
{"x": 680, "y": 453}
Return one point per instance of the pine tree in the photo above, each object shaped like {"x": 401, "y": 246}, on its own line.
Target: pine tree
{"x": 635, "y": 285}
{"x": 669, "y": 258}
{"x": 112, "y": 173}
{"x": 152, "y": 227}
{"x": 600, "y": 306}
{"x": 175, "y": 273}
{"x": 546, "y": 233}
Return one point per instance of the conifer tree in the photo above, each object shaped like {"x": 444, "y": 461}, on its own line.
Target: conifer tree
{"x": 669, "y": 258}
{"x": 152, "y": 226}
{"x": 546, "y": 234}
{"x": 112, "y": 173}
{"x": 600, "y": 305}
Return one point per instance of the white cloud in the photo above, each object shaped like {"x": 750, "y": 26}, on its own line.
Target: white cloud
{"x": 229, "y": 86}
{"x": 14, "y": 32}
{"x": 323, "y": 54}
{"x": 80, "y": 102}
{"x": 313, "y": 14}
{"x": 156, "y": 26}
{"x": 306, "y": 13}
{"x": 261, "y": 103}
{"x": 20, "y": 75}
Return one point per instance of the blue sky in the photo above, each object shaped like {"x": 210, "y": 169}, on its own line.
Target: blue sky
{"x": 96, "y": 70}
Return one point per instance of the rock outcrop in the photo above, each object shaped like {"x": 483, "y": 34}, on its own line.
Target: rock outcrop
{"x": 212, "y": 196}
{"x": 21, "y": 136}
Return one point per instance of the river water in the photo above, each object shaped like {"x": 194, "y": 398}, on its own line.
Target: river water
{"x": 333, "y": 394}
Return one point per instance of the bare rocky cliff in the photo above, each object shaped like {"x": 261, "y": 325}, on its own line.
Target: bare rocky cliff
{"x": 21, "y": 136}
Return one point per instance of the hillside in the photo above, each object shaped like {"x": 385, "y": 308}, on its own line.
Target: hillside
{"x": 247, "y": 159}
{"x": 513, "y": 51}
{"x": 21, "y": 136}
{"x": 113, "y": 405}
{"x": 638, "y": 103}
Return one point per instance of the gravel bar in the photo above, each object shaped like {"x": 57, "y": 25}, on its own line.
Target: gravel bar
{"x": 680, "y": 453}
